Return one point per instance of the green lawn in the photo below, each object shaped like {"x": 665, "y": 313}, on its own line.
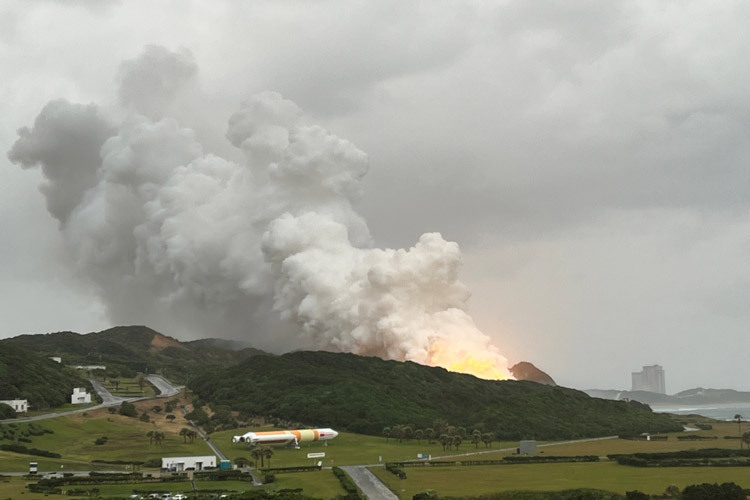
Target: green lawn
{"x": 346, "y": 449}
{"x": 129, "y": 387}
{"x": 462, "y": 481}
{"x": 74, "y": 438}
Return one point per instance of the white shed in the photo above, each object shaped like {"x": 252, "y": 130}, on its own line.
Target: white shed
{"x": 179, "y": 464}
{"x": 80, "y": 396}
{"x": 20, "y": 405}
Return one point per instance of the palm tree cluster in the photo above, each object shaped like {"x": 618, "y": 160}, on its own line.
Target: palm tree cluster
{"x": 155, "y": 437}
{"x": 264, "y": 453}
{"x": 447, "y": 435}
{"x": 188, "y": 434}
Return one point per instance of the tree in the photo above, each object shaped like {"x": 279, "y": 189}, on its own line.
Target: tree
{"x": 157, "y": 409}
{"x": 445, "y": 440}
{"x": 738, "y": 418}
{"x": 128, "y": 409}
{"x": 256, "y": 454}
{"x": 408, "y": 432}
{"x": 746, "y": 439}
{"x": 184, "y": 433}
{"x": 158, "y": 437}
{"x": 418, "y": 435}
{"x": 144, "y": 417}
{"x": 241, "y": 461}
{"x": 429, "y": 433}
{"x": 476, "y": 438}
{"x": 440, "y": 426}
{"x": 170, "y": 417}
{"x": 150, "y": 435}
{"x": 488, "y": 437}
{"x": 386, "y": 433}
{"x": 141, "y": 382}
{"x": 672, "y": 491}
{"x": 461, "y": 431}
{"x": 7, "y": 411}
{"x": 457, "y": 440}
{"x": 268, "y": 453}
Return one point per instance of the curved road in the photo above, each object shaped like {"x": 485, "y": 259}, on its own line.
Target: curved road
{"x": 165, "y": 388}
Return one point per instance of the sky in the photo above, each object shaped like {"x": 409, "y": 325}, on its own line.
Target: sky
{"x": 588, "y": 158}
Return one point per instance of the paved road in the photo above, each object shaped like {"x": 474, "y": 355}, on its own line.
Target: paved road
{"x": 163, "y": 385}
{"x": 165, "y": 388}
{"x": 370, "y": 485}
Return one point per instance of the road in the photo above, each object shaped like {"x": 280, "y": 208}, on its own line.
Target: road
{"x": 165, "y": 388}
{"x": 371, "y": 486}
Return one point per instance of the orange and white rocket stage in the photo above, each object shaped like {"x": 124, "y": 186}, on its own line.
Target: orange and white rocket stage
{"x": 291, "y": 438}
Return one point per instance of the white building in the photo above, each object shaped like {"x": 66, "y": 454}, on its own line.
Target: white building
{"x": 651, "y": 379}
{"x": 90, "y": 367}
{"x": 56, "y": 359}
{"x": 20, "y": 405}
{"x": 80, "y": 396}
{"x": 179, "y": 464}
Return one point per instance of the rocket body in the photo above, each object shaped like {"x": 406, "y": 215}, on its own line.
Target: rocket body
{"x": 290, "y": 437}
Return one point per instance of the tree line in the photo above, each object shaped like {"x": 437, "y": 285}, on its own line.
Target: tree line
{"x": 449, "y": 436}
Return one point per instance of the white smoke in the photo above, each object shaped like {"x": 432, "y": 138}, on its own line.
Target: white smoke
{"x": 163, "y": 230}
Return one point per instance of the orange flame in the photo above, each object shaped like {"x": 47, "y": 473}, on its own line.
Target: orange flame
{"x": 487, "y": 363}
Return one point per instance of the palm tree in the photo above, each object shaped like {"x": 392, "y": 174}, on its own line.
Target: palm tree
{"x": 150, "y": 435}
{"x": 440, "y": 426}
{"x": 408, "y": 432}
{"x": 418, "y": 435}
{"x": 184, "y": 432}
{"x": 429, "y": 433}
{"x": 445, "y": 440}
{"x": 476, "y": 438}
{"x": 387, "y": 433}
{"x": 268, "y": 452}
{"x": 256, "y": 454}
{"x": 461, "y": 431}
{"x": 457, "y": 440}
{"x": 158, "y": 437}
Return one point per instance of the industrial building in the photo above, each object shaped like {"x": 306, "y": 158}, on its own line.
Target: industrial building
{"x": 179, "y": 464}
{"x": 80, "y": 396}
{"x": 651, "y": 379}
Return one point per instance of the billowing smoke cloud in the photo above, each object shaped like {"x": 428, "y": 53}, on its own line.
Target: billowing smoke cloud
{"x": 163, "y": 230}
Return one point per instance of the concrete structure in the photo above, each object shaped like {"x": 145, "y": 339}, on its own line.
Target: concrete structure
{"x": 527, "y": 447}
{"x": 90, "y": 367}
{"x": 56, "y": 359}
{"x": 651, "y": 379}
{"x": 20, "y": 405}
{"x": 80, "y": 396}
{"x": 179, "y": 464}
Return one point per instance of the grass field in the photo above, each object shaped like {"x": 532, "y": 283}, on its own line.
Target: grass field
{"x": 74, "y": 437}
{"x": 129, "y": 387}
{"x": 346, "y": 449}
{"x": 461, "y": 481}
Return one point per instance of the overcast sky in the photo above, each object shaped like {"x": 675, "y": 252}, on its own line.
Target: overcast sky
{"x": 590, "y": 158}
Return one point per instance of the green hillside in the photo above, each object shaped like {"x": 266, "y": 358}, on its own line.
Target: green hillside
{"x": 363, "y": 394}
{"x": 126, "y": 350}
{"x": 24, "y": 374}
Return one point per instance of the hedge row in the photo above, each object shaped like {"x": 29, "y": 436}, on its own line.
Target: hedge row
{"x": 352, "y": 492}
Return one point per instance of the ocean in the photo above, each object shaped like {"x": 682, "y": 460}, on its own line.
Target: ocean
{"x": 718, "y": 411}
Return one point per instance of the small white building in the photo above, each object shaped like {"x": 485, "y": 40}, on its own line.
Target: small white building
{"x": 20, "y": 405}
{"x": 90, "y": 367}
{"x": 56, "y": 359}
{"x": 527, "y": 447}
{"x": 80, "y": 396}
{"x": 179, "y": 464}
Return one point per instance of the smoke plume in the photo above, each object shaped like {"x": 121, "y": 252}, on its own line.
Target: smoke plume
{"x": 168, "y": 234}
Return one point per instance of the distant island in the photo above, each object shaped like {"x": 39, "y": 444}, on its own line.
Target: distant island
{"x": 697, "y": 396}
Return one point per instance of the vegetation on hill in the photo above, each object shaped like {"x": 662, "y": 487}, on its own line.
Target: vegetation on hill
{"x": 364, "y": 394}
{"x": 25, "y": 374}
{"x": 126, "y": 350}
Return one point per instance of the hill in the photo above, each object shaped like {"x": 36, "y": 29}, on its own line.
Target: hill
{"x": 24, "y": 374}
{"x": 364, "y": 394}
{"x": 126, "y": 350}
{"x": 697, "y": 396}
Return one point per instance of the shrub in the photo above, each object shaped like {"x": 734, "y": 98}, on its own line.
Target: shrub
{"x": 725, "y": 491}
{"x": 101, "y": 440}
{"x": 128, "y": 409}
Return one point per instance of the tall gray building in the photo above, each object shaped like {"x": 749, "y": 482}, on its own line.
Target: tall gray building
{"x": 651, "y": 379}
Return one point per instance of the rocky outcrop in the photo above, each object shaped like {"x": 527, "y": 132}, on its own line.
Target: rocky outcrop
{"x": 527, "y": 371}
